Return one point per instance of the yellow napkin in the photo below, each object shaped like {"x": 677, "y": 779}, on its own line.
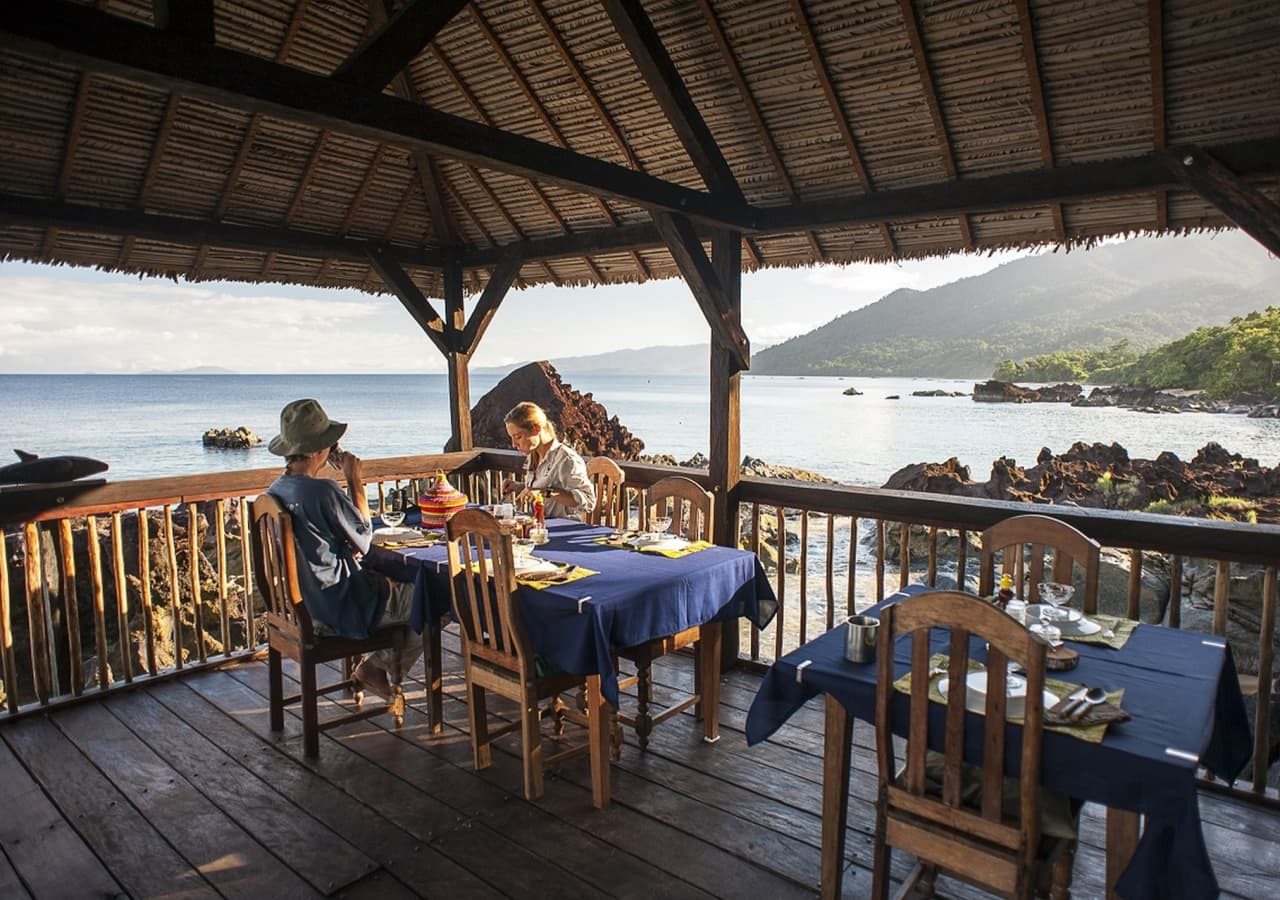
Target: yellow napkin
{"x": 544, "y": 580}
{"x": 621, "y": 542}
{"x": 1092, "y": 734}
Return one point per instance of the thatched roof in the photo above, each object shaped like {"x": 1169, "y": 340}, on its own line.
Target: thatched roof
{"x": 824, "y": 129}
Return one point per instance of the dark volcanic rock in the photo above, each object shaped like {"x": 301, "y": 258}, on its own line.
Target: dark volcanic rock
{"x": 580, "y": 421}
{"x": 1148, "y": 400}
{"x": 1005, "y": 392}
{"x": 852, "y": 392}
{"x": 230, "y": 438}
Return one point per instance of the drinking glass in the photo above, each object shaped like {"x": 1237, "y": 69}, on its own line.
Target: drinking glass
{"x": 1050, "y": 632}
{"x": 521, "y": 548}
{"x": 392, "y": 512}
{"x": 660, "y": 524}
{"x": 1053, "y": 596}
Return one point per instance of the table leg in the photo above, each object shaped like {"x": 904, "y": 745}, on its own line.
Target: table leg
{"x": 709, "y": 672}
{"x": 837, "y": 744}
{"x": 1122, "y": 840}
{"x": 599, "y": 731}
{"x": 433, "y": 675}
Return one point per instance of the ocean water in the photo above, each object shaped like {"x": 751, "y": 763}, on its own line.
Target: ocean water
{"x": 151, "y": 425}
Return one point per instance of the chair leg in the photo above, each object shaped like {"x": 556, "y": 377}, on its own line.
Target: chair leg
{"x": 479, "y": 728}
{"x": 644, "y": 692}
{"x": 1063, "y": 867}
{"x": 347, "y": 668}
{"x": 928, "y": 878}
{"x": 531, "y": 748}
{"x": 880, "y": 866}
{"x": 275, "y": 680}
{"x": 310, "y": 716}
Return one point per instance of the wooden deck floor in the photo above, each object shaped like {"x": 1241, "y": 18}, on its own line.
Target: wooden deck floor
{"x": 180, "y": 790}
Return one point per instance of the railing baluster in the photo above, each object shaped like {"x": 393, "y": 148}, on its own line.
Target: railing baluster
{"x": 851, "y": 588}
{"x": 6, "y": 634}
{"x": 904, "y": 554}
{"x": 99, "y": 602}
{"x": 193, "y": 560}
{"x": 122, "y": 596}
{"x": 782, "y": 583}
{"x": 170, "y": 546}
{"x": 831, "y": 571}
{"x": 1175, "y": 592}
{"x": 144, "y": 593}
{"x": 71, "y": 607}
{"x": 962, "y": 560}
{"x": 804, "y": 576}
{"x": 1135, "y": 584}
{"x": 880, "y": 552}
{"x": 755, "y": 548}
{"x": 1262, "y": 708}
{"x": 220, "y": 534}
{"x": 246, "y": 567}
{"x": 931, "y": 576}
{"x": 37, "y": 628}
{"x": 1221, "y": 597}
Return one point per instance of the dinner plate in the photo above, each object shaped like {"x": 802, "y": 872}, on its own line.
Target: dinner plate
{"x": 532, "y": 565}
{"x": 383, "y": 535}
{"x": 1034, "y": 610}
{"x": 976, "y": 696}
{"x": 1081, "y": 627}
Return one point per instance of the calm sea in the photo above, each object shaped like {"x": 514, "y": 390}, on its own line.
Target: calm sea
{"x": 150, "y": 425}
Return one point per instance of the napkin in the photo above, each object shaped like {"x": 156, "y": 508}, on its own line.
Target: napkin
{"x": 1099, "y": 714}
{"x": 543, "y": 580}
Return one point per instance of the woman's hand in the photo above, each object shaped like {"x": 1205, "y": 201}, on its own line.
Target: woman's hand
{"x": 511, "y": 486}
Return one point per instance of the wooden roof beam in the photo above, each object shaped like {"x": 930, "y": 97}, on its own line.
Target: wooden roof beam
{"x": 1155, "y": 29}
{"x": 398, "y": 39}
{"x": 819, "y": 65}
{"x": 192, "y": 19}
{"x": 700, "y": 274}
{"x": 659, "y": 72}
{"x": 398, "y": 280}
{"x": 1039, "y": 110}
{"x": 153, "y": 166}
{"x": 912, "y": 26}
{"x": 1242, "y": 203}
{"x": 101, "y": 42}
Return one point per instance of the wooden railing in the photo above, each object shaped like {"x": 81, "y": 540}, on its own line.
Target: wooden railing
{"x": 826, "y": 549}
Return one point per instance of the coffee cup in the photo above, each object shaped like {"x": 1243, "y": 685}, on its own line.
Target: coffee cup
{"x": 861, "y": 635}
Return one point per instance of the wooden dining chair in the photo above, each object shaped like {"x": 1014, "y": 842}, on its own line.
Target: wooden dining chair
{"x": 1023, "y": 542}
{"x": 498, "y": 656}
{"x": 292, "y": 633}
{"x": 607, "y": 478}
{"x": 690, "y": 508}
{"x": 966, "y": 819}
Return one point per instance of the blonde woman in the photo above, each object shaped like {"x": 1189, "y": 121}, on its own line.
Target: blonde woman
{"x": 552, "y": 467}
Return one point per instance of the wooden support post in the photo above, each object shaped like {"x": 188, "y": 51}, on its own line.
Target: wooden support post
{"x": 725, "y": 443}
{"x": 456, "y": 359}
{"x": 1241, "y": 202}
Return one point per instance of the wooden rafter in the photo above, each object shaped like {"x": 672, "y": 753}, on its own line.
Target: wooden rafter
{"x": 363, "y": 191}
{"x": 730, "y": 60}
{"x": 1039, "y": 110}
{"x": 79, "y": 109}
{"x": 700, "y": 274}
{"x": 108, "y": 43}
{"x": 398, "y": 39}
{"x": 1253, "y": 211}
{"x": 1155, "y": 28}
{"x": 541, "y": 111}
{"x": 837, "y": 112}
{"x": 602, "y": 114}
{"x": 418, "y": 306}
{"x": 911, "y": 24}
{"x": 313, "y": 161}
{"x": 659, "y": 72}
{"x": 190, "y": 18}
{"x": 153, "y": 166}
{"x": 250, "y": 135}
{"x": 490, "y": 299}
{"x": 484, "y": 232}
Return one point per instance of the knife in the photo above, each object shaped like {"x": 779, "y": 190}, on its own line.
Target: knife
{"x": 1072, "y": 700}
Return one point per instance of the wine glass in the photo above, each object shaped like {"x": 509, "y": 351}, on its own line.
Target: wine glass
{"x": 392, "y": 512}
{"x": 1053, "y": 596}
{"x": 660, "y": 524}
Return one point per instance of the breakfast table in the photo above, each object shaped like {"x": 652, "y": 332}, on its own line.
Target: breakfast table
{"x": 1180, "y": 688}
{"x": 628, "y": 598}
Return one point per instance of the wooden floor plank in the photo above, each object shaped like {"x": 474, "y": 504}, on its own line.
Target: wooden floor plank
{"x": 11, "y": 885}
{"x": 203, "y": 701}
{"x": 52, "y": 860}
{"x": 230, "y": 858}
{"x": 323, "y": 858}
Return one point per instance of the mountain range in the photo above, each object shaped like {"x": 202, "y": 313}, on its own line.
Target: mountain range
{"x": 1143, "y": 290}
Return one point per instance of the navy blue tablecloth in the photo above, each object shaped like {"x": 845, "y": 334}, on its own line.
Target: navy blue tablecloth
{"x": 636, "y": 597}
{"x": 1180, "y": 687}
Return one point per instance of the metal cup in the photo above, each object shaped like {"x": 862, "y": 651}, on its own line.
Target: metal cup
{"x": 860, "y": 637}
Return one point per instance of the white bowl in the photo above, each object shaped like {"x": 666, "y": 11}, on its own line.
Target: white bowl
{"x": 976, "y": 696}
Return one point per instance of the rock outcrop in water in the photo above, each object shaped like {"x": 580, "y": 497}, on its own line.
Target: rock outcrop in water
{"x": 230, "y": 438}
{"x": 1006, "y": 392}
{"x": 580, "y": 421}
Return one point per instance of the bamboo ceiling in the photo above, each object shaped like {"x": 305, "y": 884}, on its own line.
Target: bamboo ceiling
{"x": 554, "y": 133}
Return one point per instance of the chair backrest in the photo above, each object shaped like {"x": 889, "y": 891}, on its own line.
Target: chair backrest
{"x": 689, "y": 506}
{"x": 1022, "y": 542}
{"x": 950, "y": 812}
{"x": 611, "y": 501}
{"x": 275, "y": 567}
{"x": 482, "y": 580}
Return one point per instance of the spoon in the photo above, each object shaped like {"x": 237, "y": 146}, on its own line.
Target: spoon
{"x": 1091, "y": 698}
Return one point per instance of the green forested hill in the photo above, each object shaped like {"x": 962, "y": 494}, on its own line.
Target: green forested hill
{"x": 1145, "y": 291}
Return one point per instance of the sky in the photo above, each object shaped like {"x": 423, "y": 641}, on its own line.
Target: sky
{"x": 68, "y": 320}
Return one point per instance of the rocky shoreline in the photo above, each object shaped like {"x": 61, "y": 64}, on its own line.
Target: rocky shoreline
{"x": 1255, "y": 406}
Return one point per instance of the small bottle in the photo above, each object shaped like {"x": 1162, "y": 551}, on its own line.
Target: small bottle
{"x": 539, "y": 530}
{"x": 1005, "y": 594}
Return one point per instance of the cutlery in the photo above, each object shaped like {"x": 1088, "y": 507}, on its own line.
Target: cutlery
{"x": 1092, "y": 698}
{"x": 1072, "y": 698}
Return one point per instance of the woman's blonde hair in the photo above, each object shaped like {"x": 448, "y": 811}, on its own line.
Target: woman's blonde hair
{"x": 530, "y": 417}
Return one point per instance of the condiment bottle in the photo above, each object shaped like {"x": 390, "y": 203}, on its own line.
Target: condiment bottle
{"x": 539, "y": 515}
{"x": 1005, "y": 594}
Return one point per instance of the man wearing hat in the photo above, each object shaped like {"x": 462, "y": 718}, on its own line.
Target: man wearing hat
{"x": 331, "y": 529}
